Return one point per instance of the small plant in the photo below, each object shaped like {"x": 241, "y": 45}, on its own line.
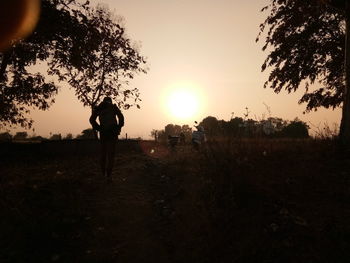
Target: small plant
{"x": 326, "y": 131}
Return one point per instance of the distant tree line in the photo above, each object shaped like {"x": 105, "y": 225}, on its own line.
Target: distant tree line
{"x": 272, "y": 127}
{"x": 172, "y": 130}
{"x": 24, "y": 136}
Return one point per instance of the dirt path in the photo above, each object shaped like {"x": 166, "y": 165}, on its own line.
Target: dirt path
{"x": 174, "y": 208}
{"x": 62, "y": 210}
{"x": 141, "y": 216}
{"x": 122, "y": 216}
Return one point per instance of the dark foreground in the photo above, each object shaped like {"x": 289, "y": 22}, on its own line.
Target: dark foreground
{"x": 242, "y": 201}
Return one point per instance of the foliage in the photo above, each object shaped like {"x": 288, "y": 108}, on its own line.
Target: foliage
{"x": 69, "y": 136}
{"x": 237, "y": 127}
{"x": 211, "y": 126}
{"x": 20, "y": 136}
{"x": 173, "y": 130}
{"x": 71, "y": 38}
{"x": 37, "y": 138}
{"x": 56, "y": 137}
{"x": 87, "y": 134}
{"x": 306, "y": 43}
{"x": 20, "y": 87}
{"x": 295, "y": 129}
{"x": 232, "y": 127}
{"x": 105, "y": 68}
{"x": 5, "y": 136}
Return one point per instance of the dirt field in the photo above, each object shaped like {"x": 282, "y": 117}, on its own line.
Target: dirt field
{"x": 248, "y": 202}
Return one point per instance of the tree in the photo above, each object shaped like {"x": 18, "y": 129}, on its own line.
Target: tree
{"x": 37, "y": 138}
{"x": 231, "y": 128}
{"x": 211, "y": 126}
{"x": 87, "y": 134}
{"x": 69, "y": 36}
{"x": 20, "y": 136}
{"x": 344, "y": 132}
{"x": 107, "y": 69}
{"x": 172, "y": 130}
{"x": 68, "y": 136}
{"x": 56, "y": 137}
{"x": 307, "y": 39}
{"x": 295, "y": 129}
{"x": 20, "y": 87}
{"x": 5, "y": 136}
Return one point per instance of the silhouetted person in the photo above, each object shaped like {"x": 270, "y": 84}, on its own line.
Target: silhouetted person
{"x": 109, "y": 128}
{"x": 198, "y": 137}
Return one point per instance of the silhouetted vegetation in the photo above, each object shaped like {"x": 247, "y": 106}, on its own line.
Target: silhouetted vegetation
{"x": 69, "y": 136}
{"x": 307, "y": 43}
{"x": 5, "y": 137}
{"x": 112, "y": 61}
{"x": 38, "y": 138}
{"x": 257, "y": 191}
{"x": 21, "y": 89}
{"x": 20, "y": 136}
{"x": 246, "y": 200}
{"x": 238, "y": 127}
{"x": 23, "y": 136}
{"x": 86, "y": 134}
{"x": 77, "y": 43}
{"x": 172, "y": 130}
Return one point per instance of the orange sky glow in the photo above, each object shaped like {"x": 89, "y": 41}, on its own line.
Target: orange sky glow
{"x": 202, "y": 45}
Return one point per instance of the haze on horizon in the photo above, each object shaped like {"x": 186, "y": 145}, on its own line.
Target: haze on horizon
{"x": 202, "y": 45}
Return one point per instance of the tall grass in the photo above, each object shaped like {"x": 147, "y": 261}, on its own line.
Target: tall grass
{"x": 250, "y": 186}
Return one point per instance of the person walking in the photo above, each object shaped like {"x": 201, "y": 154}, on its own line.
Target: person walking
{"x": 109, "y": 128}
{"x": 198, "y": 138}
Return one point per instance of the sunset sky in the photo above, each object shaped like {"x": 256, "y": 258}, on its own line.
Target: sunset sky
{"x": 205, "y": 47}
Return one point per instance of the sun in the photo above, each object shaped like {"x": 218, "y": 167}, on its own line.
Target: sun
{"x": 182, "y": 103}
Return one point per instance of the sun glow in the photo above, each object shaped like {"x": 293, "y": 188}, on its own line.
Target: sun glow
{"x": 182, "y": 102}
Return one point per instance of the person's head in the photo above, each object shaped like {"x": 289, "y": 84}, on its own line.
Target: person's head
{"x": 200, "y": 128}
{"x": 107, "y": 100}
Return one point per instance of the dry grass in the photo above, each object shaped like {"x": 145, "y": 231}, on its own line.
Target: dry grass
{"x": 244, "y": 200}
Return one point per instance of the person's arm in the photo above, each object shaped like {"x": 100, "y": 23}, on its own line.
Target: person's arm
{"x": 120, "y": 116}
{"x": 92, "y": 120}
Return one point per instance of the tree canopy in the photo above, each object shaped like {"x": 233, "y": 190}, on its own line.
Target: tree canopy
{"x": 305, "y": 40}
{"x": 20, "y": 87}
{"x": 71, "y": 39}
{"x": 272, "y": 127}
{"x": 105, "y": 68}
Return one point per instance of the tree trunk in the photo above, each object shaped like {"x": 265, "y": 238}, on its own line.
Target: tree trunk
{"x": 344, "y": 132}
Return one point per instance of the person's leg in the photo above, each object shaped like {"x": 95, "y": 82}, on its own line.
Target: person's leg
{"x": 103, "y": 157}
{"x": 110, "y": 156}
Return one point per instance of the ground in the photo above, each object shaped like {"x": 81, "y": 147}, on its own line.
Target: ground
{"x": 245, "y": 203}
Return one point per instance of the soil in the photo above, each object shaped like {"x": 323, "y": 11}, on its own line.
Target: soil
{"x": 176, "y": 207}
{"x": 62, "y": 210}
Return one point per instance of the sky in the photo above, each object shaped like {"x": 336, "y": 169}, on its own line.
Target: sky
{"x": 204, "y": 46}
